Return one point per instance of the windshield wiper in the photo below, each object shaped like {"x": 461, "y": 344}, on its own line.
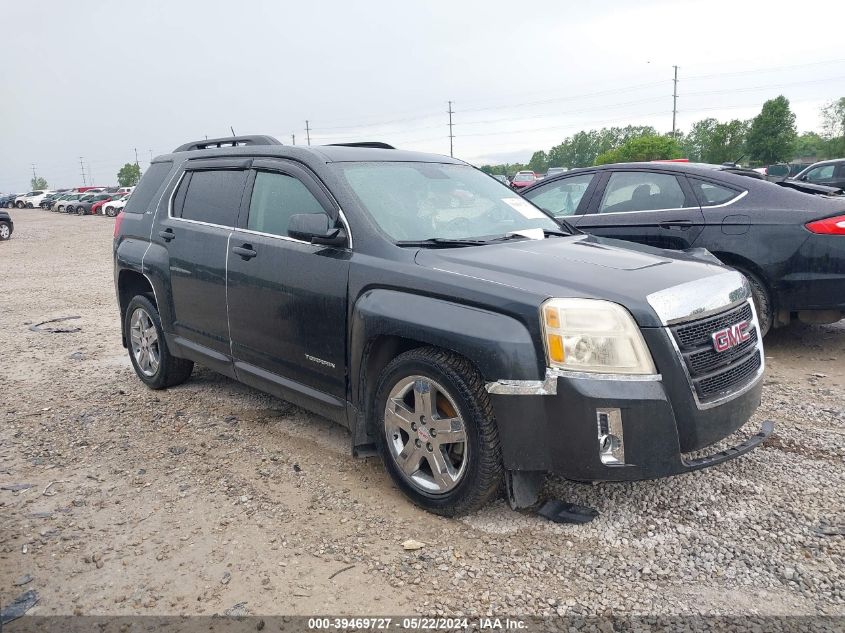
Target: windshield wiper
{"x": 442, "y": 241}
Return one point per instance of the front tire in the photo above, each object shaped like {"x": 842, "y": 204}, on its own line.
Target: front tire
{"x": 5, "y": 231}
{"x": 148, "y": 351}
{"x": 18, "y": 204}
{"x": 110, "y": 211}
{"x": 437, "y": 433}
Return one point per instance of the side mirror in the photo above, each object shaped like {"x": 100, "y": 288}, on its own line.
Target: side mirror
{"x": 315, "y": 228}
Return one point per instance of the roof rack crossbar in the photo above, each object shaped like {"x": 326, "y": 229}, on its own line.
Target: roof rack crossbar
{"x": 228, "y": 141}
{"x": 373, "y": 144}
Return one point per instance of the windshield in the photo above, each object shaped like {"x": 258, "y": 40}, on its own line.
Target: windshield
{"x": 425, "y": 201}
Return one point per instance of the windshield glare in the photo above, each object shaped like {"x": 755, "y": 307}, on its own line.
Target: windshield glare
{"x": 422, "y": 201}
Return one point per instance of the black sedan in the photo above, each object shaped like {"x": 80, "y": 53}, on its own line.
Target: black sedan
{"x": 790, "y": 245}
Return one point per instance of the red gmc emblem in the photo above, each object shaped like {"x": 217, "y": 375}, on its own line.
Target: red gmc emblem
{"x": 731, "y": 336}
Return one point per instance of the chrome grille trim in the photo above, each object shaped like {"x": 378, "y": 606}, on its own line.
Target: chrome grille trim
{"x": 736, "y": 362}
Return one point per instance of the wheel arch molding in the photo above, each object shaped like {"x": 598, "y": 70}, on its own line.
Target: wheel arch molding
{"x": 385, "y": 323}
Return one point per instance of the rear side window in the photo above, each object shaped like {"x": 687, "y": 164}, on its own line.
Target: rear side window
{"x": 641, "y": 191}
{"x": 709, "y": 193}
{"x": 276, "y": 197}
{"x": 213, "y": 196}
{"x": 150, "y": 183}
{"x": 561, "y": 198}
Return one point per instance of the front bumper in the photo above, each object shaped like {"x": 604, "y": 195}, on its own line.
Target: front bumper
{"x": 551, "y": 426}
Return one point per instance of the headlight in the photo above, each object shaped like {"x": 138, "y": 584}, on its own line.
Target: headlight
{"x": 594, "y": 336}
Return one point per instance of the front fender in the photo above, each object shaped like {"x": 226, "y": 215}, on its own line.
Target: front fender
{"x": 500, "y": 346}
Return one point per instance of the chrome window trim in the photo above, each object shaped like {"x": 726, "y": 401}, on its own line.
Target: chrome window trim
{"x": 274, "y": 236}
{"x": 733, "y": 395}
{"x": 699, "y": 298}
{"x": 548, "y": 386}
{"x": 739, "y": 196}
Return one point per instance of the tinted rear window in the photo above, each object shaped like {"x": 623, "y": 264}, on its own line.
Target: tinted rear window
{"x": 150, "y": 183}
{"x": 214, "y": 196}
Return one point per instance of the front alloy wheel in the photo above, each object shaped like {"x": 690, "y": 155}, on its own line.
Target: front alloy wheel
{"x": 425, "y": 435}
{"x": 5, "y": 231}
{"x": 436, "y": 430}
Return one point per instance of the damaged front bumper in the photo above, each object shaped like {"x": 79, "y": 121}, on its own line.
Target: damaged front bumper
{"x": 591, "y": 427}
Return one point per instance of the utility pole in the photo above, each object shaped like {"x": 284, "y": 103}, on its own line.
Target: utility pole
{"x": 675, "y": 101}
{"x": 151, "y": 156}
{"x": 83, "y": 171}
{"x": 136, "y": 157}
{"x": 33, "y": 171}
{"x": 293, "y": 139}
{"x": 308, "y": 132}
{"x": 451, "y": 136}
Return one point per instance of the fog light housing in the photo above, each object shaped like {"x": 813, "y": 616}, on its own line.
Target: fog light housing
{"x": 610, "y": 437}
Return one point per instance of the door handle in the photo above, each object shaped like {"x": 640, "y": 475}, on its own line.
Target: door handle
{"x": 246, "y": 251}
{"x": 683, "y": 225}
{"x": 166, "y": 234}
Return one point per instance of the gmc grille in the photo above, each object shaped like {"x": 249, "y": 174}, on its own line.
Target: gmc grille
{"x": 713, "y": 374}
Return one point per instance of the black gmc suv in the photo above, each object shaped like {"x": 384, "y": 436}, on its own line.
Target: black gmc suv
{"x": 455, "y": 327}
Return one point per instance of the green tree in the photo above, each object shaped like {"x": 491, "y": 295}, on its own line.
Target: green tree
{"x": 642, "y": 148}
{"x": 833, "y": 128}
{"x": 771, "y": 138}
{"x": 810, "y": 146}
{"x": 539, "y": 163}
{"x": 582, "y": 148}
{"x": 696, "y": 143}
{"x": 129, "y": 175}
{"x": 38, "y": 183}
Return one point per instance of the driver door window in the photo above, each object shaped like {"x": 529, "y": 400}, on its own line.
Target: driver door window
{"x": 275, "y": 198}
{"x": 821, "y": 174}
{"x": 629, "y": 191}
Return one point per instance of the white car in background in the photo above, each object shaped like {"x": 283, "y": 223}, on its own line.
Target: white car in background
{"x": 31, "y": 199}
{"x": 113, "y": 207}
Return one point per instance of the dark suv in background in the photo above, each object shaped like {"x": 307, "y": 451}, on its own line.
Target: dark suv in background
{"x": 455, "y": 327}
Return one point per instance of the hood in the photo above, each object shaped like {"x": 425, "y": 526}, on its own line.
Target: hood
{"x": 576, "y": 266}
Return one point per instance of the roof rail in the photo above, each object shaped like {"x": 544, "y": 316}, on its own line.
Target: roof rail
{"x": 373, "y": 144}
{"x": 228, "y": 141}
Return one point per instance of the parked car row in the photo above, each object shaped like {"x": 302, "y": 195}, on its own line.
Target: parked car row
{"x": 90, "y": 203}
{"x": 44, "y": 198}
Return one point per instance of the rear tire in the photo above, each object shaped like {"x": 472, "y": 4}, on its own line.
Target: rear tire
{"x": 19, "y": 205}
{"x": 5, "y": 231}
{"x": 110, "y": 212}
{"x": 762, "y": 301}
{"x": 10, "y": 204}
{"x": 424, "y": 390}
{"x": 148, "y": 351}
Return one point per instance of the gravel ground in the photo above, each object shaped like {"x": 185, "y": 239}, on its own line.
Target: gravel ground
{"x": 197, "y": 499}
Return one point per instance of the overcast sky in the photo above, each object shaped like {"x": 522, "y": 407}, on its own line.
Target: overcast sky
{"x": 98, "y": 79}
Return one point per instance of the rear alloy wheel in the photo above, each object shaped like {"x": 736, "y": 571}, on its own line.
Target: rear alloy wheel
{"x": 110, "y": 211}
{"x": 148, "y": 351}
{"x": 28, "y": 205}
{"x": 19, "y": 204}
{"x": 10, "y": 204}
{"x": 5, "y": 231}
{"x": 438, "y": 437}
